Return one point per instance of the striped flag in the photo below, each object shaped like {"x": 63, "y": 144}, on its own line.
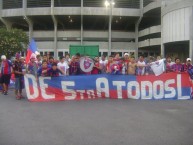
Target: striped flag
{"x": 32, "y": 49}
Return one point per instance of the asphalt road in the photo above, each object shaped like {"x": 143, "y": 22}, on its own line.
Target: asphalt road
{"x": 95, "y": 122}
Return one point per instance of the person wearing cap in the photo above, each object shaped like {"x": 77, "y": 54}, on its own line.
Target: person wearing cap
{"x": 126, "y": 61}
{"x": 6, "y": 69}
{"x": 126, "y": 57}
{"x": 17, "y": 69}
{"x": 187, "y": 66}
{"x": 32, "y": 66}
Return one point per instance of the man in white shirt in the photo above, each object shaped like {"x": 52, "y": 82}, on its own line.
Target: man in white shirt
{"x": 63, "y": 65}
{"x": 67, "y": 58}
{"x": 140, "y": 68}
{"x": 103, "y": 63}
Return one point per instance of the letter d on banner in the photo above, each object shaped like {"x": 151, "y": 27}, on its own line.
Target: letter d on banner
{"x": 34, "y": 85}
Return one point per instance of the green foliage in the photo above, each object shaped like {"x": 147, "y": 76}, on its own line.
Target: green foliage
{"x": 12, "y": 41}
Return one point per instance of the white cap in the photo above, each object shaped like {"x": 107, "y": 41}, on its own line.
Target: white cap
{"x": 3, "y": 57}
{"x": 126, "y": 54}
{"x": 32, "y": 56}
{"x": 37, "y": 53}
{"x": 188, "y": 59}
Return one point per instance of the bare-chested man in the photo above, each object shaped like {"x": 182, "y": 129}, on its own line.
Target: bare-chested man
{"x": 132, "y": 65}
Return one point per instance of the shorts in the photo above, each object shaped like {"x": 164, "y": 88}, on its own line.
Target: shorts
{"x": 19, "y": 83}
{"x": 5, "y": 79}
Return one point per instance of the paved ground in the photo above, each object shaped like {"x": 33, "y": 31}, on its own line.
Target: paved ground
{"x": 95, "y": 122}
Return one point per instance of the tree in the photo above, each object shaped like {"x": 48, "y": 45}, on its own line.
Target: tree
{"x": 12, "y": 41}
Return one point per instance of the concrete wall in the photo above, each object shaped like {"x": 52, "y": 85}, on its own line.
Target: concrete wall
{"x": 87, "y": 34}
{"x": 176, "y": 25}
{"x": 151, "y": 30}
{"x": 70, "y": 11}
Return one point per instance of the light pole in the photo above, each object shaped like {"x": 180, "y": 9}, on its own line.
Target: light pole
{"x": 110, "y": 4}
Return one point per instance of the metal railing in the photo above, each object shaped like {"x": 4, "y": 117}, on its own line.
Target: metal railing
{"x": 38, "y": 3}
{"x": 67, "y": 3}
{"x": 9, "y": 4}
{"x": 12, "y": 4}
{"x": 118, "y": 3}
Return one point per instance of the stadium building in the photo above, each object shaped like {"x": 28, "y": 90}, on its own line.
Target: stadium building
{"x": 149, "y": 27}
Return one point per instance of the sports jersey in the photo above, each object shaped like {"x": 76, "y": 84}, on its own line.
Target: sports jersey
{"x": 6, "y": 67}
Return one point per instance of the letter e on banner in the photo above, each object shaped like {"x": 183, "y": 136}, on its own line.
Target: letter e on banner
{"x": 34, "y": 85}
{"x": 43, "y": 88}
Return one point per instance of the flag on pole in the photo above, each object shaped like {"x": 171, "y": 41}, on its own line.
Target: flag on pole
{"x": 32, "y": 49}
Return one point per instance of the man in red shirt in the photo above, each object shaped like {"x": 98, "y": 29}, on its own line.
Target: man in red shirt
{"x": 6, "y": 69}
{"x": 96, "y": 68}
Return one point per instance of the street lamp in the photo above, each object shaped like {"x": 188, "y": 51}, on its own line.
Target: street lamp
{"x": 109, "y": 4}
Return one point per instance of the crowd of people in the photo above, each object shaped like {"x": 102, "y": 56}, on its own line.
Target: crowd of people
{"x": 48, "y": 66}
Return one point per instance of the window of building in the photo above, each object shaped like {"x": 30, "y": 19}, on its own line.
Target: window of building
{"x": 41, "y": 53}
{"x": 52, "y": 53}
{"x": 105, "y": 53}
{"x": 60, "y": 54}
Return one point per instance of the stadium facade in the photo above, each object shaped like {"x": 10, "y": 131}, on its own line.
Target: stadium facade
{"x": 149, "y": 27}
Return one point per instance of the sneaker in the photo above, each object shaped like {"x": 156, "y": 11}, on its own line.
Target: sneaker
{"x": 22, "y": 97}
{"x": 18, "y": 97}
{"x": 5, "y": 93}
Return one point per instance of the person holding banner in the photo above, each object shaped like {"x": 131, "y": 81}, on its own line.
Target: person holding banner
{"x": 110, "y": 62}
{"x": 148, "y": 69}
{"x": 63, "y": 65}
{"x": 17, "y": 68}
{"x": 54, "y": 71}
{"x": 177, "y": 67}
{"x": 116, "y": 58}
{"x": 38, "y": 61}
{"x": 123, "y": 66}
{"x": 103, "y": 63}
{"x": 74, "y": 65}
{"x": 187, "y": 66}
{"x": 141, "y": 66}
{"x": 32, "y": 67}
{"x": 50, "y": 62}
{"x": 96, "y": 68}
{"x": 43, "y": 70}
{"x": 169, "y": 64}
{"x": 132, "y": 66}
{"x": 67, "y": 58}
